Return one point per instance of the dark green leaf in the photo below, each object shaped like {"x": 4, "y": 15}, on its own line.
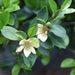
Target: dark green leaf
{"x": 57, "y": 41}
{"x": 47, "y": 45}
{"x": 43, "y": 51}
{"x": 6, "y": 62}
{"x": 29, "y": 61}
{"x": 43, "y": 14}
{"x": 58, "y": 31}
{"x": 32, "y": 4}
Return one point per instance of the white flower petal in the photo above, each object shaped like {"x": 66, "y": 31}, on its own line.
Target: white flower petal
{"x": 19, "y": 49}
{"x": 42, "y": 37}
{"x": 33, "y": 50}
{"x": 27, "y": 52}
{"x": 22, "y": 42}
{"x": 40, "y": 25}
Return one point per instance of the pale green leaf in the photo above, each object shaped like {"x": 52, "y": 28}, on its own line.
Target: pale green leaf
{"x": 66, "y": 4}
{"x": 9, "y": 32}
{"x": 68, "y": 11}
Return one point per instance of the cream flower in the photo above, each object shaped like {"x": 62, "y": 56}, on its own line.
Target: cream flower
{"x": 42, "y": 33}
{"x": 27, "y": 46}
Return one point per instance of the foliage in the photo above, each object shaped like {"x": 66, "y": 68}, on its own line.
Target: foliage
{"x": 19, "y": 21}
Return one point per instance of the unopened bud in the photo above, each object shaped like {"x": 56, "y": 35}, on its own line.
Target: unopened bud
{"x": 48, "y": 24}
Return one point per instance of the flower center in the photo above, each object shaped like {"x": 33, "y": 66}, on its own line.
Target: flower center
{"x": 27, "y": 44}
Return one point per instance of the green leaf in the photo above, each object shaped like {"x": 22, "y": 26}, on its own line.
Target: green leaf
{"x": 6, "y": 62}
{"x": 59, "y": 17}
{"x": 11, "y": 20}
{"x": 21, "y": 34}
{"x": 35, "y": 41}
{"x": 1, "y": 26}
{"x": 48, "y": 44}
{"x": 43, "y": 51}
{"x": 32, "y": 30}
{"x": 69, "y": 62}
{"x": 66, "y": 40}
{"x": 16, "y": 70}
{"x": 29, "y": 61}
{"x": 12, "y": 8}
{"x": 4, "y": 18}
{"x": 43, "y": 14}
{"x": 5, "y": 3}
{"x": 53, "y": 6}
{"x": 58, "y": 31}
{"x": 43, "y": 4}
{"x": 32, "y": 4}
{"x": 72, "y": 72}
{"x": 66, "y": 4}
{"x": 57, "y": 41}
{"x": 45, "y": 60}
{"x": 2, "y": 40}
{"x": 9, "y": 32}
{"x": 14, "y": 2}
{"x": 68, "y": 11}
